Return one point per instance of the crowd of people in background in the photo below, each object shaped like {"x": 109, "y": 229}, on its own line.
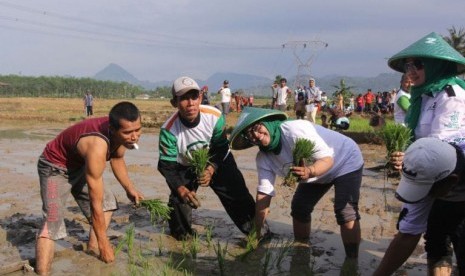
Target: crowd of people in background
{"x": 311, "y": 103}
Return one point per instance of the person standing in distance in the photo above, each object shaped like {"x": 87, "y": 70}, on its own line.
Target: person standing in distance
{"x": 282, "y": 95}
{"x": 402, "y": 100}
{"x": 313, "y": 96}
{"x": 225, "y": 93}
{"x": 89, "y": 103}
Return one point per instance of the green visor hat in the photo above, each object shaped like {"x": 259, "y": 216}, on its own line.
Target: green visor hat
{"x": 250, "y": 116}
{"x": 431, "y": 46}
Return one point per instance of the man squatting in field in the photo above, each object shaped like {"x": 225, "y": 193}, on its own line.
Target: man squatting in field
{"x": 191, "y": 127}
{"x": 74, "y": 163}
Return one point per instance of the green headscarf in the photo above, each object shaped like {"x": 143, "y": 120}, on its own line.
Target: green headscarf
{"x": 438, "y": 74}
{"x": 274, "y": 128}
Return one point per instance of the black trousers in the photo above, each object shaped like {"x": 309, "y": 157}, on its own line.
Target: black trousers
{"x": 446, "y": 227}
{"x": 229, "y": 185}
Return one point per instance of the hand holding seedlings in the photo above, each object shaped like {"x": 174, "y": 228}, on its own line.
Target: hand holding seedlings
{"x": 206, "y": 177}
{"x": 188, "y": 197}
{"x": 199, "y": 160}
{"x": 302, "y": 154}
{"x": 156, "y": 208}
{"x": 396, "y": 160}
{"x": 302, "y": 171}
{"x": 397, "y": 138}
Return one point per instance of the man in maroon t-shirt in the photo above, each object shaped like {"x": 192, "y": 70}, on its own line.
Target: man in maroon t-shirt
{"x": 73, "y": 163}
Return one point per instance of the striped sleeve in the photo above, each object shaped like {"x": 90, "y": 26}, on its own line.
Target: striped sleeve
{"x": 219, "y": 133}
{"x": 167, "y": 146}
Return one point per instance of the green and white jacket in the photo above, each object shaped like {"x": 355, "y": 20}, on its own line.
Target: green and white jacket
{"x": 178, "y": 137}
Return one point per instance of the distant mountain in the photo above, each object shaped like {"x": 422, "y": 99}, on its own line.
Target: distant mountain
{"x": 258, "y": 85}
{"x": 114, "y": 72}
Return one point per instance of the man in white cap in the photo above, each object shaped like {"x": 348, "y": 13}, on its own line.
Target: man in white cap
{"x": 431, "y": 169}
{"x": 191, "y": 127}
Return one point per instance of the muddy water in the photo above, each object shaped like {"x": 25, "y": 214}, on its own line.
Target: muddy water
{"x": 157, "y": 253}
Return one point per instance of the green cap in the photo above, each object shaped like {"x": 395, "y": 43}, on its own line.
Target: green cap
{"x": 250, "y": 116}
{"x": 431, "y": 46}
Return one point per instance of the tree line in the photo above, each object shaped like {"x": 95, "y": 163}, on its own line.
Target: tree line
{"x": 71, "y": 87}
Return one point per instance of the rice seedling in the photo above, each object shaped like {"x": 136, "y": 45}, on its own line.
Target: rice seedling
{"x": 209, "y": 233}
{"x": 199, "y": 160}
{"x": 283, "y": 248}
{"x": 171, "y": 265}
{"x": 185, "y": 250}
{"x": 157, "y": 209}
{"x": 143, "y": 263}
{"x": 160, "y": 245}
{"x": 267, "y": 263}
{"x": 160, "y": 241}
{"x": 221, "y": 256}
{"x": 194, "y": 246}
{"x": 302, "y": 152}
{"x": 252, "y": 240}
{"x": 396, "y": 137}
{"x": 128, "y": 241}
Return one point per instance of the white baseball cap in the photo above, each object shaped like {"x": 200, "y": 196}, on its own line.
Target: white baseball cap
{"x": 426, "y": 161}
{"x": 183, "y": 85}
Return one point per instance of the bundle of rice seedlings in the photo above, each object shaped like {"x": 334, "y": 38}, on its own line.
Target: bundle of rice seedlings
{"x": 157, "y": 209}
{"x": 396, "y": 137}
{"x": 303, "y": 151}
{"x": 199, "y": 159}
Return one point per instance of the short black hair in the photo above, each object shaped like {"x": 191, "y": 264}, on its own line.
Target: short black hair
{"x": 123, "y": 110}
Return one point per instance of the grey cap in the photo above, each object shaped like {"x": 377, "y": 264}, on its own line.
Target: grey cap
{"x": 183, "y": 85}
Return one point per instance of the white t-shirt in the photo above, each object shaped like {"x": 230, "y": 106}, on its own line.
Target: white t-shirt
{"x": 225, "y": 95}
{"x": 399, "y": 113}
{"x": 345, "y": 152}
{"x": 282, "y": 95}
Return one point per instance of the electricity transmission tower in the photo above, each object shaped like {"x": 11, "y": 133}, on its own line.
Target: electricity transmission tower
{"x": 304, "y": 52}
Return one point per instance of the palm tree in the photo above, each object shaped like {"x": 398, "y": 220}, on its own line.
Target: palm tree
{"x": 456, "y": 39}
{"x": 344, "y": 90}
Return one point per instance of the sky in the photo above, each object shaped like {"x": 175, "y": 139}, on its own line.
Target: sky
{"x": 162, "y": 40}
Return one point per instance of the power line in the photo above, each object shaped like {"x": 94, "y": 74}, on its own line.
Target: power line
{"x": 176, "y": 41}
{"x": 309, "y": 49}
